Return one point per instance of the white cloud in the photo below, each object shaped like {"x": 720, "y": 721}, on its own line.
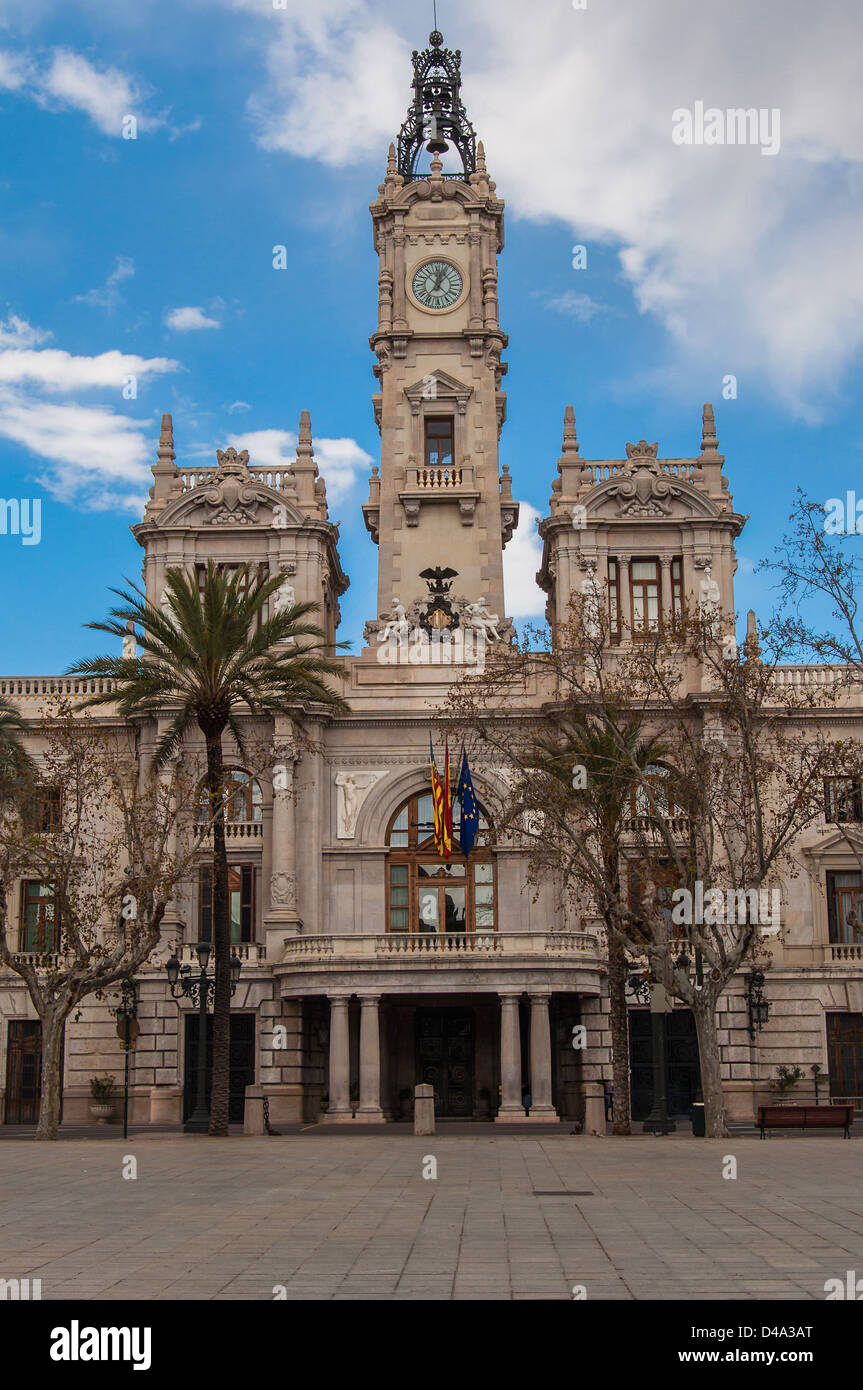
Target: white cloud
{"x": 105, "y": 96}
{"x": 752, "y": 265}
{"x": 13, "y": 71}
{"x": 522, "y": 557}
{"x": 108, "y": 296}
{"x": 189, "y": 319}
{"x": 575, "y": 305}
{"x": 16, "y": 332}
{"x": 97, "y": 457}
{"x": 339, "y": 460}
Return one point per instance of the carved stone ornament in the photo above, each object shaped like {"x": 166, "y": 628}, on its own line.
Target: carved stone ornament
{"x": 353, "y": 788}
{"x": 641, "y": 488}
{"x": 283, "y": 889}
{"x": 233, "y": 499}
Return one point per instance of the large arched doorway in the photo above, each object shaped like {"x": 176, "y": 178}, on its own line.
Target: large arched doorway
{"x": 429, "y": 894}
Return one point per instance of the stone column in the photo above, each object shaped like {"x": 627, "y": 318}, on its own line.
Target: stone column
{"x": 624, "y": 595}
{"x": 370, "y": 1060}
{"x": 282, "y": 917}
{"x": 665, "y": 613}
{"x": 511, "y": 1108}
{"x": 340, "y": 1062}
{"x": 541, "y": 1107}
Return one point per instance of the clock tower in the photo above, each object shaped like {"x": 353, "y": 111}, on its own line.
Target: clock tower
{"x": 439, "y": 502}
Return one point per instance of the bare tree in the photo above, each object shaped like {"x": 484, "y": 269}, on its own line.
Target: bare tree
{"x": 714, "y": 820}
{"x": 108, "y": 841}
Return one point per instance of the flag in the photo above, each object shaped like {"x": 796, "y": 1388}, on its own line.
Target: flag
{"x": 447, "y": 807}
{"x": 437, "y": 802}
{"x": 469, "y": 808}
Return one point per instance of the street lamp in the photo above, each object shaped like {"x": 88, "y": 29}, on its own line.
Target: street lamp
{"x": 128, "y": 1029}
{"x": 759, "y": 1007}
{"x": 201, "y": 990}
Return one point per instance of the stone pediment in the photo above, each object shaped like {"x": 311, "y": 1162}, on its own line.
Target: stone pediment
{"x": 231, "y": 495}
{"x": 649, "y": 487}
{"x": 438, "y": 386}
{"x": 836, "y": 844}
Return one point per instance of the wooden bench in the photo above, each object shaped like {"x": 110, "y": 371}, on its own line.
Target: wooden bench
{"x": 806, "y": 1117}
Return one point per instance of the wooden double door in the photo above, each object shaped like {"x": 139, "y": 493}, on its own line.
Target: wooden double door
{"x": 23, "y": 1072}
{"x": 682, "y": 1069}
{"x": 445, "y": 1058}
{"x": 845, "y": 1054}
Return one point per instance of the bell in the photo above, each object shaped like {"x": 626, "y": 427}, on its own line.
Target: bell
{"x": 436, "y": 143}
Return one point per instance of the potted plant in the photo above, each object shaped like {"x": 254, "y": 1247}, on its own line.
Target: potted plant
{"x": 786, "y": 1079}
{"x": 101, "y": 1102}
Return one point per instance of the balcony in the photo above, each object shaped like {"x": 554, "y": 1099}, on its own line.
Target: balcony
{"x": 250, "y": 952}
{"x": 450, "y": 961}
{"x": 238, "y": 831}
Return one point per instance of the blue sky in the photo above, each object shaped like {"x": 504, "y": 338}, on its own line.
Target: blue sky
{"x": 259, "y": 126}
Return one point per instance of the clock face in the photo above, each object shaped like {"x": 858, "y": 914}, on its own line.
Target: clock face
{"x": 437, "y": 285}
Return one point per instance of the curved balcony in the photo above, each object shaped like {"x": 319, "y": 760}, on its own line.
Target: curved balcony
{"x": 448, "y": 962}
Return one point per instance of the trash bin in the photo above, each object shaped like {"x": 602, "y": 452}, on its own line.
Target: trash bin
{"x": 698, "y": 1123}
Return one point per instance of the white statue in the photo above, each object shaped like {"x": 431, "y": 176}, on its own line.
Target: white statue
{"x": 165, "y": 606}
{"x": 130, "y": 646}
{"x": 284, "y": 597}
{"x": 397, "y": 626}
{"x": 591, "y": 608}
{"x": 709, "y": 596}
{"x": 353, "y": 789}
{"x": 480, "y": 618}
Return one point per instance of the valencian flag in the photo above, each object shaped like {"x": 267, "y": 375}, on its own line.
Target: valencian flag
{"x": 442, "y": 841}
{"x": 469, "y": 808}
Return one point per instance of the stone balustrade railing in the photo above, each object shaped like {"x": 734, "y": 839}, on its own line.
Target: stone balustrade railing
{"x": 42, "y": 687}
{"x": 677, "y": 468}
{"x": 279, "y": 479}
{"x": 439, "y": 477}
{"x": 500, "y": 945}
{"x": 251, "y": 951}
{"x": 237, "y": 830}
{"x": 840, "y": 952}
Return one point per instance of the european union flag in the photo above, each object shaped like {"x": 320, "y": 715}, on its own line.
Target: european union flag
{"x": 469, "y": 807}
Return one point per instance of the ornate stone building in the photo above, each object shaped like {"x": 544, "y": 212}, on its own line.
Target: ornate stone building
{"x": 368, "y": 963}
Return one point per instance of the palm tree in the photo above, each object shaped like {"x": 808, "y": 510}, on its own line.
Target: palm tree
{"x": 15, "y": 762}
{"x": 209, "y": 655}
{"x": 613, "y": 753}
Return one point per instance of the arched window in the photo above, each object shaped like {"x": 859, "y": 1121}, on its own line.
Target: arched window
{"x": 243, "y": 799}
{"x": 426, "y": 893}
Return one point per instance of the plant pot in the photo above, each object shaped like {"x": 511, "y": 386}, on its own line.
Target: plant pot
{"x": 102, "y": 1111}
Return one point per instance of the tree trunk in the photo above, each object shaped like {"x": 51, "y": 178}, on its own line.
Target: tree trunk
{"x": 53, "y": 1031}
{"x": 619, "y": 1032}
{"x": 220, "y": 1092}
{"x": 711, "y": 1069}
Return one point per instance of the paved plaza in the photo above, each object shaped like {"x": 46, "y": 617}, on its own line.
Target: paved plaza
{"x": 509, "y": 1216}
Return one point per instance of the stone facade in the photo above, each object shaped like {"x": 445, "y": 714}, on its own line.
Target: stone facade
{"x": 343, "y": 1013}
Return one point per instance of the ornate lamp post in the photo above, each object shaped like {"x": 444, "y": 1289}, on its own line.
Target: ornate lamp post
{"x": 652, "y": 993}
{"x": 200, "y": 989}
{"x": 128, "y": 1029}
{"x": 759, "y": 1007}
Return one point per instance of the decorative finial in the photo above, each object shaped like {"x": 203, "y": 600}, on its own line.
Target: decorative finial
{"x": 708, "y": 431}
{"x": 166, "y": 440}
{"x": 570, "y": 438}
{"x": 304, "y": 442}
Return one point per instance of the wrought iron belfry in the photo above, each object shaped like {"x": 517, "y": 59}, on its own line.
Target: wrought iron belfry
{"x": 436, "y": 118}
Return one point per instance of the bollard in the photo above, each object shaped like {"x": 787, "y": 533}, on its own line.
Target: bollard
{"x": 424, "y": 1109}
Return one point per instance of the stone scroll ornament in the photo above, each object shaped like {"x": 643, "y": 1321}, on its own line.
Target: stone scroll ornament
{"x": 353, "y": 788}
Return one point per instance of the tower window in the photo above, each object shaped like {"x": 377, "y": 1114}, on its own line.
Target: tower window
{"x": 677, "y": 587}
{"x": 645, "y": 596}
{"x": 613, "y": 601}
{"x": 439, "y": 442}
